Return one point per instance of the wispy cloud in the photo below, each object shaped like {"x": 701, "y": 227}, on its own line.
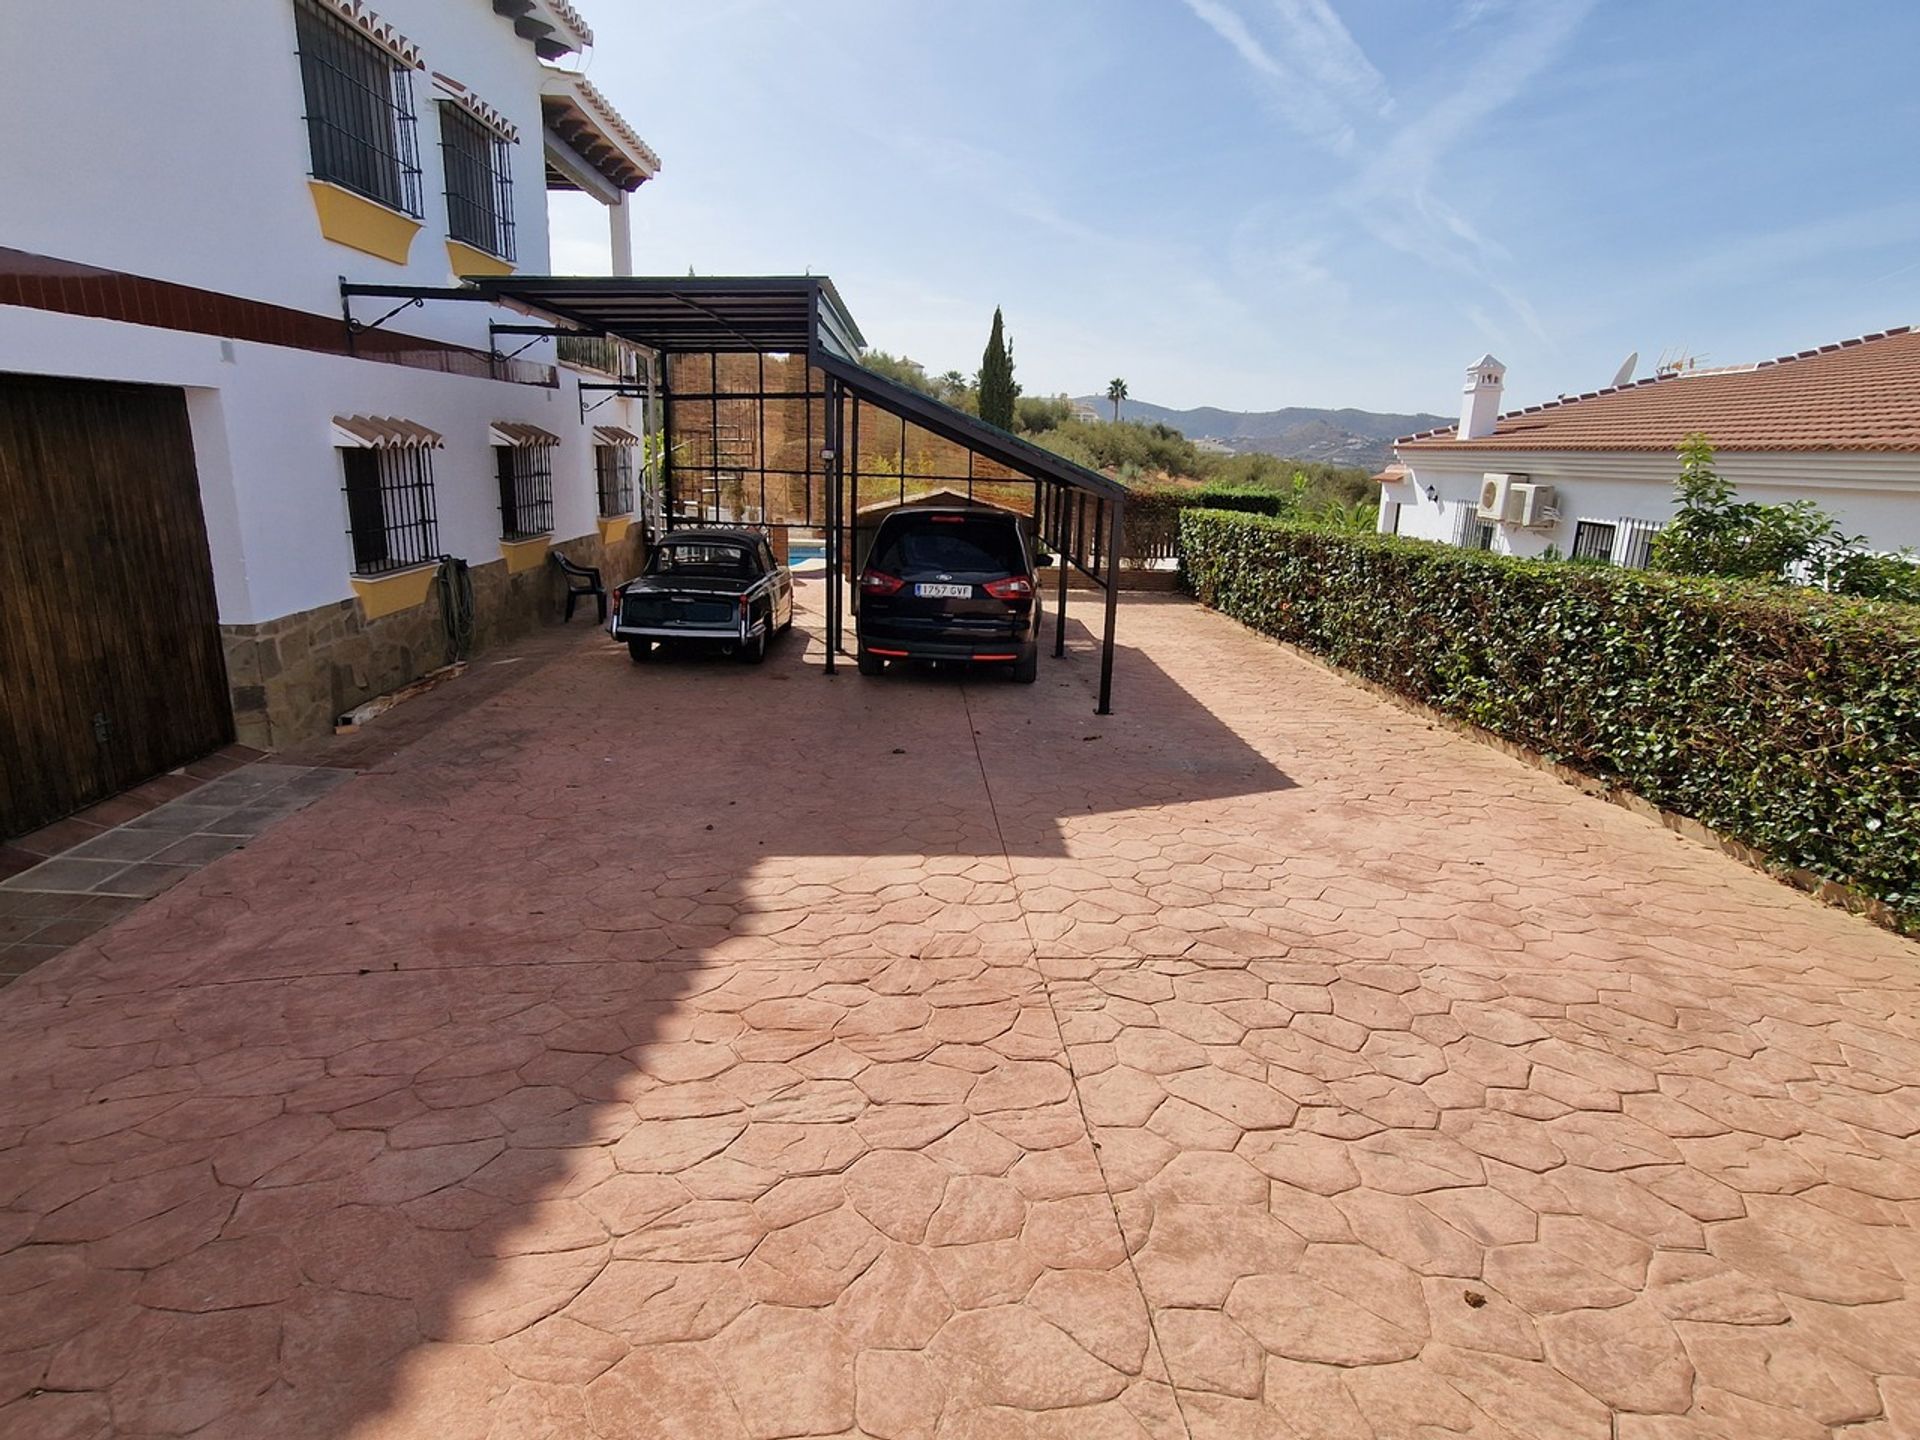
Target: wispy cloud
{"x": 1327, "y": 89}
{"x": 1314, "y": 75}
{"x": 1186, "y": 294}
{"x": 1327, "y": 51}
{"x": 1746, "y": 261}
{"x": 1472, "y": 12}
{"x": 1396, "y": 195}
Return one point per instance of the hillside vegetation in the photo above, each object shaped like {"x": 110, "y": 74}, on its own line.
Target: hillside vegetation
{"x": 1341, "y": 437}
{"x": 1145, "y": 455}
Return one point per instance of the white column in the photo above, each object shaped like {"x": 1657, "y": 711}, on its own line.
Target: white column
{"x": 620, "y": 226}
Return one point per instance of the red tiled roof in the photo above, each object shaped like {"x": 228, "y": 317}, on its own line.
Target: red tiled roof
{"x": 1859, "y": 394}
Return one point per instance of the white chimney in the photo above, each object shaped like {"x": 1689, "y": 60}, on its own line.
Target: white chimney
{"x": 1480, "y": 397}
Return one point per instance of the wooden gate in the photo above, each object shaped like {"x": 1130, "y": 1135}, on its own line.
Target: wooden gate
{"x": 110, "y": 662}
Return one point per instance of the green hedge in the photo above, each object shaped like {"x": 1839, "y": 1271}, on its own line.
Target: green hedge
{"x": 1153, "y": 513}
{"x": 1786, "y": 719}
{"x": 1172, "y": 499}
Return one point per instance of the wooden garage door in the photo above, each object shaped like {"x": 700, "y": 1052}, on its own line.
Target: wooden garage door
{"x": 110, "y": 660}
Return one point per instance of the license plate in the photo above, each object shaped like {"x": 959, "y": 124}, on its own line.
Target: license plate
{"x": 944, "y": 592}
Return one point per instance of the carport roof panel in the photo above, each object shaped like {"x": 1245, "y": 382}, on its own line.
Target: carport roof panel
{"x": 967, "y": 430}
{"x": 764, "y": 313}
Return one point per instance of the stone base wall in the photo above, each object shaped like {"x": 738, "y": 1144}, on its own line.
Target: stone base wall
{"x": 292, "y": 677}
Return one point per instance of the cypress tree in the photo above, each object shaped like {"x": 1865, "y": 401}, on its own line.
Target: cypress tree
{"x": 997, "y": 389}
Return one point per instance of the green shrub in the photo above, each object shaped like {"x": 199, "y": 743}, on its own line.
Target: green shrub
{"x": 1149, "y": 449}
{"x": 1715, "y": 533}
{"x": 1782, "y": 717}
{"x": 1037, "y": 414}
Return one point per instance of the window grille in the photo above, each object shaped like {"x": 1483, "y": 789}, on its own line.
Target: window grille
{"x": 390, "y": 508}
{"x": 1593, "y": 542}
{"x": 360, "y": 121}
{"x": 479, "y": 172}
{"x": 1633, "y": 546}
{"x": 525, "y": 473}
{"x": 1470, "y": 532}
{"x": 613, "y": 469}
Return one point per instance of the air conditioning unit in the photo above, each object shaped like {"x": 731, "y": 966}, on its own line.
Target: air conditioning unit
{"x": 1493, "y": 497}
{"x": 1532, "y": 507}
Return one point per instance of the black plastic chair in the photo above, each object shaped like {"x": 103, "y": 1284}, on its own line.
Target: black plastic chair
{"x": 581, "y": 580}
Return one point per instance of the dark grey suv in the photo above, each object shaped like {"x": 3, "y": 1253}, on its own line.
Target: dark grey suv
{"x": 950, "y": 584}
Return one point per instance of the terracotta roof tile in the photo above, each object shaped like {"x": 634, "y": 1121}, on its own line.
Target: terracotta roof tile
{"x": 520, "y": 434}
{"x": 1861, "y": 394}
{"x": 383, "y": 432}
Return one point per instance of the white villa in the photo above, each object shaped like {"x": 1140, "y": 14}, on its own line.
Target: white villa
{"x": 1592, "y": 475}
{"x": 226, "y": 475}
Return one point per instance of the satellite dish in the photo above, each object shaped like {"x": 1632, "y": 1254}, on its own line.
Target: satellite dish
{"x": 1625, "y": 372}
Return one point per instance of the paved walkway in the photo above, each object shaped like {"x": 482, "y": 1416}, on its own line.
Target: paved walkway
{"x": 705, "y": 1051}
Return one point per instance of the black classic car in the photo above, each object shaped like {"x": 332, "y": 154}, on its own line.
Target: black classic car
{"x": 720, "y": 587}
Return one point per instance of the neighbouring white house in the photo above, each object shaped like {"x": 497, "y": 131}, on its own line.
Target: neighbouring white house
{"x": 226, "y": 481}
{"x": 1591, "y": 476}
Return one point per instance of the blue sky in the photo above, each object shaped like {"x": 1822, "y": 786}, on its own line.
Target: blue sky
{"x": 1256, "y": 203}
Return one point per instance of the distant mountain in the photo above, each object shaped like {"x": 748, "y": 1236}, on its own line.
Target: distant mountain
{"x": 1340, "y": 437}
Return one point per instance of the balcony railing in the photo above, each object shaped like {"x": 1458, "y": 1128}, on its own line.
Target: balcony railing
{"x": 597, "y": 352}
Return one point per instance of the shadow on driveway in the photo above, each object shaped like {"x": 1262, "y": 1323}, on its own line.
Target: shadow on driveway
{"x": 646, "y": 1050}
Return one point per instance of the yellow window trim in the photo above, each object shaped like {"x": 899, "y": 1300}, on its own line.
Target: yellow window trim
{"x": 613, "y": 528}
{"x": 468, "y": 261}
{"x": 389, "y": 594}
{"x": 525, "y": 554}
{"x": 362, "y": 224}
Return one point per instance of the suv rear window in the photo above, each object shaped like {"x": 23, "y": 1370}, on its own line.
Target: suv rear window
{"x": 969, "y": 546}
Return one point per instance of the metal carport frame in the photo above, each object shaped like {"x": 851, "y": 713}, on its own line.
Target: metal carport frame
{"x": 1078, "y": 512}
{"x": 1062, "y": 526}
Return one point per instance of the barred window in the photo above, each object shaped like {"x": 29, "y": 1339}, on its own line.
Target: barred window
{"x": 613, "y": 468}
{"x": 1479, "y": 534}
{"x": 525, "y": 473}
{"x": 1634, "y": 549}
{"x": 1593, "y": 542}
{"x": 360, "y": 121}
{"x": 479, "y": 182}
{"x": 390, "y": 509}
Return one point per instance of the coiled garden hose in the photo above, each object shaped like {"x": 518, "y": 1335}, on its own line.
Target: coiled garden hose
{"x": 456, "y": 607}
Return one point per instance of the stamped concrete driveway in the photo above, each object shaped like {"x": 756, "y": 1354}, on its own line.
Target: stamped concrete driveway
{"x": 700, "y": 1051}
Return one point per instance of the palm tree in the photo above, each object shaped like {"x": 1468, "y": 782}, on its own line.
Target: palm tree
{"x": 1116, "y": 392}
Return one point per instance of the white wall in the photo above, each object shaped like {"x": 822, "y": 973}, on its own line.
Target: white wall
{"x": 1870, "y": 494}
{"x": 168, "y": 140}
{"x": 171, "y": 144}
{"x": 269, "y": 473}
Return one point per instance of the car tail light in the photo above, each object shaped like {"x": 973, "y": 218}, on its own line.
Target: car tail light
{"x": 878, "y": 582}
{"x": 1014, "y": 587}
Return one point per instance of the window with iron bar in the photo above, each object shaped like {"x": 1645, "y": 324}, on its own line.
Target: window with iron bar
{"x": 613, "y": 468}
{"x": 360, "y": 121}
{"x": 390, "y": 508}
{"x": 1593, "y": 543}
{"x": 479, "y": 182}
{"x": 525, "y": 473}
{"x": 1635, "y": 548}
